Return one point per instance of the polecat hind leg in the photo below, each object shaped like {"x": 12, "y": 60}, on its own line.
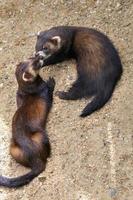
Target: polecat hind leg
{"x": 77, "y": 91}
{"x": 18, "y": 154}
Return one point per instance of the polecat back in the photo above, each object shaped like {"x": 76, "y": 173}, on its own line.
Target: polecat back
{"x": 98, "y": 63}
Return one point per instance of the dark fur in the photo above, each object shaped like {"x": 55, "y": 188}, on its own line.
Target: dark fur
{"x": 30, "y": 144}
{"x": 98, "y": 63}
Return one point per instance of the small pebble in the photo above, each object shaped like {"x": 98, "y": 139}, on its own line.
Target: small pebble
{"x": 112, "y": 192}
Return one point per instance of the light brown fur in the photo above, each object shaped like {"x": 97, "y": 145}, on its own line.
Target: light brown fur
{"x": 89, "y": 47}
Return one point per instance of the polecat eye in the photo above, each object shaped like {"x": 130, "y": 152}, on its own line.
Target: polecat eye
{"x": 45, "y": 48}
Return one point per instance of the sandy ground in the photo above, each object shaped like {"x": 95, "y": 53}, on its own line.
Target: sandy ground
{"x": 92, "y": 158}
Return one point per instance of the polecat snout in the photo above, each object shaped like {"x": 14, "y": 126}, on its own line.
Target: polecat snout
{"x": 98, "y": 63}
{"x": 30, "y": 144}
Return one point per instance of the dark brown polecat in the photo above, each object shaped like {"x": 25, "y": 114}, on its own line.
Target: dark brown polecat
{"x": 98, "y": 63}
{"x": 30, "y": 144}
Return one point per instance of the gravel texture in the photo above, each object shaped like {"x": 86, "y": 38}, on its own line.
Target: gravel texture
{"x": 92, "y": 158}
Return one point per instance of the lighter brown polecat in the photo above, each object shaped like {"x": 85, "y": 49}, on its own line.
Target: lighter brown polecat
{"x": 30, "y": 144}
{"x": 98, "y": 63}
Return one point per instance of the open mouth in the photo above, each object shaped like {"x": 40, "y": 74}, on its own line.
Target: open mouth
{"x": 27, "y": 77}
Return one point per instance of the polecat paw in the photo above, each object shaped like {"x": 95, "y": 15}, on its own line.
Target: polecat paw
{"x": 63, "y": 95}
{"x": 51, "y": 83}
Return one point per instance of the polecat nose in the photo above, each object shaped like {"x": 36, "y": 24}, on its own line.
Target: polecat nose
{"x": 40, "y": 54}
{"x": 36, "y": 54}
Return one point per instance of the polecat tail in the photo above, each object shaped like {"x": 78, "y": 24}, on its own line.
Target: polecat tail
{"x": 22, "y": 180}
{"x": 98, "y": 102}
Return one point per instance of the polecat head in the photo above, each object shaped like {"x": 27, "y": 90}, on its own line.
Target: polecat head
{"x": 48, "y": 45}
{"x": 27, "y": 72}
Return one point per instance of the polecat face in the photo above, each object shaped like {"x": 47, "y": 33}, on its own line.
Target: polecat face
{"x": 47, "y": 46}
{"x": 26, "y": 72}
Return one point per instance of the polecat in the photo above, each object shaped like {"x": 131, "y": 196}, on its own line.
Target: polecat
{"x": 98, "y": 63}
{"x": 30, "y": 144}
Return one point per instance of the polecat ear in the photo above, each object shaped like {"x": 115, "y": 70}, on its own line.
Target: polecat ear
{"x": 56, "y": 40}
{"x": 38, "y": 33}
